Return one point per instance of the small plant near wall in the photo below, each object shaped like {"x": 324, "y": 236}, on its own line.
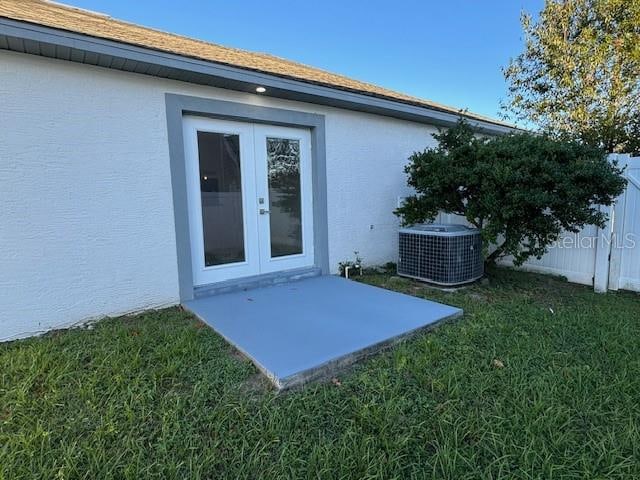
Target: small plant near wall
{"x": 347, "y": 268}
{"x": 390, "y": 268}
{"x": 521, "y": 190}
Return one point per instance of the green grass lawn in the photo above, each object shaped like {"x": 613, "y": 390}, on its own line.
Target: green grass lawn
{"x": 539, "y": 379}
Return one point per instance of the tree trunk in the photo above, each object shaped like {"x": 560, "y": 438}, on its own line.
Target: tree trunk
{"x": 497, "y": 253}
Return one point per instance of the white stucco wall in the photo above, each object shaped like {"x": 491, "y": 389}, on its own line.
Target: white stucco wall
{"x": 86, "y": 219}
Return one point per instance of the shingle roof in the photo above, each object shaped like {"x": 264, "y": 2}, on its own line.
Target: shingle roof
{"x": 63, "y": 17}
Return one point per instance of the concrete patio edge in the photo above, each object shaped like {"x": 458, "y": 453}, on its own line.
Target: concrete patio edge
{"x": 336, "y": 365}
{"x": 311, "y": 329}
{"x": 331, "y": 367}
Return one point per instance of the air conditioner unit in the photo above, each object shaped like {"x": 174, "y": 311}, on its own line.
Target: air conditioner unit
{"x": 442, "y": 254}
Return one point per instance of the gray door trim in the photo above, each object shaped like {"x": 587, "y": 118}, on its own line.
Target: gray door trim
{"x": 179, "y": 105}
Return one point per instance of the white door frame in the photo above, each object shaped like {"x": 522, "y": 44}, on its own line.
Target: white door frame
{"x": 202, "y": 274}
{"x": 177, "y": 107}
{"x": 254, "y": 171}
{"x": 304, "y": 259}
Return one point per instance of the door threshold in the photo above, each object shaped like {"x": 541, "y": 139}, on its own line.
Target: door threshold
{"x": 256, "y": 281}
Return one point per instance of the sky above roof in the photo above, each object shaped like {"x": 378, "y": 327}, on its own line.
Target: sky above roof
{"x": 448, "y": 52}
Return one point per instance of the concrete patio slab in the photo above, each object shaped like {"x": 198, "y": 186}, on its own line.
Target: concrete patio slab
{"x": 307, "y": 329}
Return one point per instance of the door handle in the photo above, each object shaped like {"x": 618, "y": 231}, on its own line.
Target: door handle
{"x": 264, "y": 212}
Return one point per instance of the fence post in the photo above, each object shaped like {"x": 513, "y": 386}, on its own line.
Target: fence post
{"x": 603, "y": 247}
{"x": 603, "y": 252}
{"x": 618, "y": 232}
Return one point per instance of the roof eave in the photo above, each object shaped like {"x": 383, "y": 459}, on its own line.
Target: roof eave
{"x": 61, "y": 44}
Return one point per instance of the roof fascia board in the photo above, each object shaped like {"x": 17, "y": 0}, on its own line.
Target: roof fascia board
{"x": 240, "y": 79}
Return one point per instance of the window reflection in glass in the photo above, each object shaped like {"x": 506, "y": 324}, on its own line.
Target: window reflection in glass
{"x": 285, "y": 202}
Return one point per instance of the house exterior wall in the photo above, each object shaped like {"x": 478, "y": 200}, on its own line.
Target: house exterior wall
{"x": 86, "y": 214}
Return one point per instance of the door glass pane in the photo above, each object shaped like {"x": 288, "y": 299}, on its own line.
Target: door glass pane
{"x": 221, "y": 197}
{"x": 285, "y": 206}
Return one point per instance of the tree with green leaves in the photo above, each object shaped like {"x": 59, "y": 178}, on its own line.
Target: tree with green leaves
{"x": 579, "y": 74}
{"x": 521, "y": 190}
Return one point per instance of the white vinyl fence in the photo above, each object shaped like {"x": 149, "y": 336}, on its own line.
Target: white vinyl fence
{"x": 608, "y": 258}
{"x": 624, "y": 264}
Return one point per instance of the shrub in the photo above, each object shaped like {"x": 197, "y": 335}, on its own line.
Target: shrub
{"x": 521, "y": 190}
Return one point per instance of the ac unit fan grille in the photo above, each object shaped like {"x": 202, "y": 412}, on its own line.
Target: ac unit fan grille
{"x": 445, "y": 260}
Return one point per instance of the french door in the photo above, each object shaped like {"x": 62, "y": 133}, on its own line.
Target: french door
{"x": 249, "y": 198}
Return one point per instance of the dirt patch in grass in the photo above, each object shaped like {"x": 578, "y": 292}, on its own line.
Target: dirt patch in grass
{"x": 257, "y": 384}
